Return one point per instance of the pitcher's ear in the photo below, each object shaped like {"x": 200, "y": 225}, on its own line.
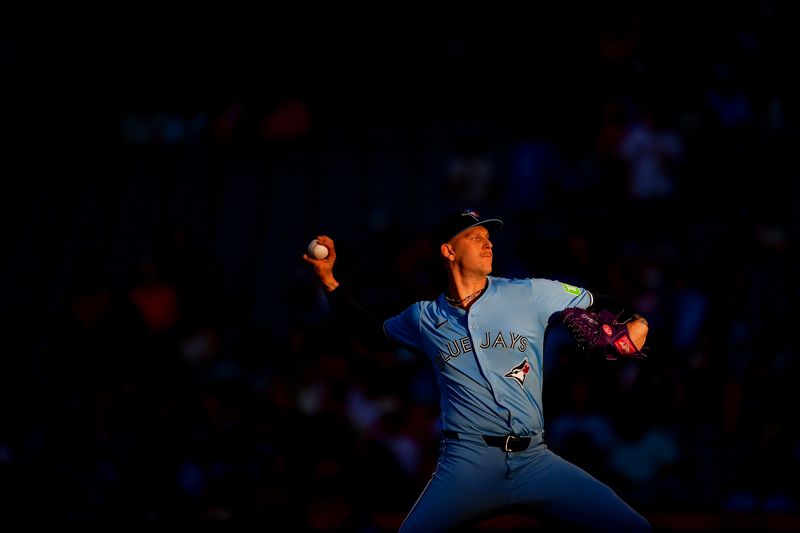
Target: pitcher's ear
{"x": 447, "y": 251}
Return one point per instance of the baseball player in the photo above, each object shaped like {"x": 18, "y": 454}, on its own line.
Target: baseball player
{"x": 485, "y": 339}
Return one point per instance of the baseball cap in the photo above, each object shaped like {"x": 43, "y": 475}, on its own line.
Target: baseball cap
{"x": 458, "y": 221}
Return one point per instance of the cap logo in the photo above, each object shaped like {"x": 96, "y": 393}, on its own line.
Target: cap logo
{"x": 470, "y": 213}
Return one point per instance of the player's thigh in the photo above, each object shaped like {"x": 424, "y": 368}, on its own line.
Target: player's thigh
{"x": 569, "y": 494}
{"x": 467, "y": 485}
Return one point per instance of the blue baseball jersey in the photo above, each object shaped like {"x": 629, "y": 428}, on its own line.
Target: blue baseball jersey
{"x": 488, "y": 360}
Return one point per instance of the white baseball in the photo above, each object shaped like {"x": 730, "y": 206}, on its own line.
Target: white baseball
{"x": 316, "y": 250}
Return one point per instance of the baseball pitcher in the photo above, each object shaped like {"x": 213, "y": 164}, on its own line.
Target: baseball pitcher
{"x": 484, "y": 337}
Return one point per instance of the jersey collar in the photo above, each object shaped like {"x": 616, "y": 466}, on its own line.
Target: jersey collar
{"x": 457, "y": 311}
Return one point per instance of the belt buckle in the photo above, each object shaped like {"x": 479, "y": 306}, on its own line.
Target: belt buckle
{"x": 505, "y": 444}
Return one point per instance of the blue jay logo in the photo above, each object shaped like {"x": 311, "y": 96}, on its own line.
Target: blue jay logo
{"x": 519, "y": 372}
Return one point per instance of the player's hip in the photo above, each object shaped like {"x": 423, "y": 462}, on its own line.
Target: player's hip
{"x": 505, "y": 443}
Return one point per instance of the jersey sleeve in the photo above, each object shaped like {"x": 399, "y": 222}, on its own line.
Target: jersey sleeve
{"x": 405, "y": 327}
{"x": 554, "y": 296}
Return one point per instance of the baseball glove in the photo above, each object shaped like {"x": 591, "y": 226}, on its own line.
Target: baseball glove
{"x": 600, "y": 331}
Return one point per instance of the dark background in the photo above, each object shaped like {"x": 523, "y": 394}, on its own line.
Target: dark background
{"x": 167, "y": 357}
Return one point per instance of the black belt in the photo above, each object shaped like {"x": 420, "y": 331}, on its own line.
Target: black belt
{"x": 507, "y": 443}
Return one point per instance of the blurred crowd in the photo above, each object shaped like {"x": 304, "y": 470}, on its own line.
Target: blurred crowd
{"x": 177, "y": 383}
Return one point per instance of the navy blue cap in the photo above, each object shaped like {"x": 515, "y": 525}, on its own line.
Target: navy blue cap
{"x": 459, "y": 221}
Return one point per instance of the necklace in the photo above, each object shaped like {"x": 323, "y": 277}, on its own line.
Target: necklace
{"x": 466, "y": 299}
